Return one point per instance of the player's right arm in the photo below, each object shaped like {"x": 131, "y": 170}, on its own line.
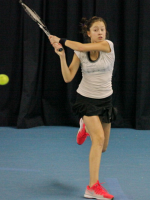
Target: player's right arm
{"x": 68, "y": 73}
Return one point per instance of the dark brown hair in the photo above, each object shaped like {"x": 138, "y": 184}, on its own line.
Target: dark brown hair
{"x": 86, "y": 25}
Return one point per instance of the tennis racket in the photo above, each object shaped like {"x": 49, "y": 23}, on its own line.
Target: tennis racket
{"x": 34, "y": 16}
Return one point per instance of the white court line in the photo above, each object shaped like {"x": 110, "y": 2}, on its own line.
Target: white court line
{"x": 116, "y": 189}
{"x": 18, "y": 169}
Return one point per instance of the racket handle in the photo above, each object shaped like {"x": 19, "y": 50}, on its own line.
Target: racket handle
{"x": 61, "y": 49}
{"x": 48, "y": 34}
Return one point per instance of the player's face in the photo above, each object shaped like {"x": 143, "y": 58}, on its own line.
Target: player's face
{"x": 97, "y": 32}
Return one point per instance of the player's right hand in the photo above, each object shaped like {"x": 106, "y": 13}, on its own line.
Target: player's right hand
{"x": 57, "y": 46}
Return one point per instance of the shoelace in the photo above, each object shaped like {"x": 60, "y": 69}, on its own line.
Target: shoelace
{"x": 100, "y": 189}
{"x": 103, "y": 187}
{"x": 84, "y": 135}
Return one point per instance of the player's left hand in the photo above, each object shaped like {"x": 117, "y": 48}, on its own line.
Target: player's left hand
{"x": 54, "y": 39}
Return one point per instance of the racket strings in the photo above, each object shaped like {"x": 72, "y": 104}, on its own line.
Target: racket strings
{"x": 33, "y": 14}
{"x": 35, "y": 17}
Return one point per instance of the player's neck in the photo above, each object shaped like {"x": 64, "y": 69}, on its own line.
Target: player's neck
{"x": 94, "y": 53}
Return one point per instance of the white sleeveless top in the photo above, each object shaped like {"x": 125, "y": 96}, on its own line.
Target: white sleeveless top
{"x": 96, "y": 75}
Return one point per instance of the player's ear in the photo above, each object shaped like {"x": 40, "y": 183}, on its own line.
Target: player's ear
{"x": 88, "y": 34}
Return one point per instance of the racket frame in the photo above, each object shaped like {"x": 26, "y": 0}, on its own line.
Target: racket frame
{"x": 35, "y": 17}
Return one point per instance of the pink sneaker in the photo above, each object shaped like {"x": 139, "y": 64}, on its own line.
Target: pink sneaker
{"x": 82, "y": 135}
{"x": 97, "y": 192}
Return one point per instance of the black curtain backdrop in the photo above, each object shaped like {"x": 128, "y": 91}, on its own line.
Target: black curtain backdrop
{"x": 37, "y": 95}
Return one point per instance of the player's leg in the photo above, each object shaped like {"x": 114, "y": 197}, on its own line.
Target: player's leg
{"x": 95, "y": 129}
{"x": 84, "y": 132}
{"x": 96, "y": 132}
{"x": 106, "y": 129}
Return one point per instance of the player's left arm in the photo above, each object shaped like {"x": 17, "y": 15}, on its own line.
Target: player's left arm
{"x": 100, "y": 46}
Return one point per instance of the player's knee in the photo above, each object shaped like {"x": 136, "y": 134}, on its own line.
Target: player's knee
{"x": 98, "y": 139}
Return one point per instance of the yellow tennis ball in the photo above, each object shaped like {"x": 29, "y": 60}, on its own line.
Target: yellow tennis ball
{"x": 4, "y": 79}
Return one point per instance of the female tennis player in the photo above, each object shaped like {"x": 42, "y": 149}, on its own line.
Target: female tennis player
{"x": 94, "y": 94}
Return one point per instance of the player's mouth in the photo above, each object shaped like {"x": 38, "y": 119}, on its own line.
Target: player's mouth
{"x": 100, "y": 38}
